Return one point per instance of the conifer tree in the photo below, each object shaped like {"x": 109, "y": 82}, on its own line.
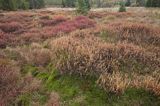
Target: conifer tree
{"x": 83, "y": 6}
{"x": 9, "y": 4}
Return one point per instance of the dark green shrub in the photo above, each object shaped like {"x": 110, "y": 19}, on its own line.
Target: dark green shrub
{"x": 83, "y": 6}
{"x": 8, "y": 4}
{"x": 23, "y": 4}
{"x": 122, "y": 7}
{"x": 153, "y": 3}
{"x": 36, "y": 4}
{"x": 149, "y": 3}
{"x": 69, "y": 3}
{"x": 128, "y": 3}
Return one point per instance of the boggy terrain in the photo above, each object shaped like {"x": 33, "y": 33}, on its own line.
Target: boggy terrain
{"x": 52, "y": 58}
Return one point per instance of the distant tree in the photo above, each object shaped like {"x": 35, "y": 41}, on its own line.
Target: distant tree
{"x": 140, "y": 2}
{"x": 36, "y": 4}
{"x": 8, "y": 4}
{"x": 153, "y": 3}
{"x": 63, "y": 3}
{"x": 0, "y": 4}
{"x": 128, "y": 3}
{"x": 83, "y": 6}
{"x": 122, "y": 7}
{"x": 70, "y": 3}
{"x": 149, "y": 3}
{"x": 87, "y": 3}
{"x": 22, "y": 4}
{"x": 158, "y": 3}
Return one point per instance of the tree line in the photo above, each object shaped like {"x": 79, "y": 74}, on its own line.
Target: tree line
{"x": 84, "y": 5}
{"x": 21, "y": 4}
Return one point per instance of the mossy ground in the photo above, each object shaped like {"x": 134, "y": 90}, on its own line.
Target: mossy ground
{"x": 83, "y": 91}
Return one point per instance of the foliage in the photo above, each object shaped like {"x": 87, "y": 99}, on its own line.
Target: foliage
{"x": 122, "y": 7}
{"x": 153, "y": 3}
{"x": 140, "y": 2}
{"x": 83, "y": 6}
{"x": 128, "y": 3}
{"x": 36, "y": 4}
{"x": 21, "y": 4}
{"x": 68, "y": 3}
{"x": 8, "y": 4}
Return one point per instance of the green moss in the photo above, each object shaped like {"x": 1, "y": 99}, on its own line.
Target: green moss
{"x": 78, "y": 91}
{"x": 83, "y": 91}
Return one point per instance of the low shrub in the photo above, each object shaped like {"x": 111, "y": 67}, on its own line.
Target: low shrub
{"x": 80, "y": 22}
{"x": 122, "y": 7}
{"x": 83, "y": 54}
{"x": 12, "y": 84}
{"x": 52, "y": 22}
{"x": 36, "y": 55}
{"x": 135, "y": 33}
{"x": 105, "y": 14}
{"x": 4, "y": 39}
{"x": 10, "y": 27}
{"x": 119, "y": 82}
{"x": 9, "y": 79}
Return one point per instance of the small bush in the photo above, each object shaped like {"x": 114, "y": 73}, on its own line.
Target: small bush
{"x": 36, "y": 55}
{"x": 51, "y": 22}
{"x": 9, "y": 82}
{"x": 83, "y": 6}
{"x": 137, "y": 33}
{"x": 122, "y": 7}
{"x": 83, "y": 54}
{"x": 10, "y": 27}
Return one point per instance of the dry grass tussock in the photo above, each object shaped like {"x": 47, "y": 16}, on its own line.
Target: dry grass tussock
{"x": 11, "y": 82}
{"x": 135, "y": 32}
{"x": 118, "y": 82}
{"x": 35, "y": 55}
{"x": 104, "y": 14}
{"x": 83, "y": 53}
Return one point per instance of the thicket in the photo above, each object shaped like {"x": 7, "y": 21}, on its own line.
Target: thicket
{"x": 122, "y": 7}
{"x": 153, "y": 3}
{"x": 83, "y": 6}
{"x": 12, "y": 5}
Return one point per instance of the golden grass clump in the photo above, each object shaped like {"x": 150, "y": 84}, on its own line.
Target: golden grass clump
{"x": 135, "y": 32}
{"x": 12, "y": 83}
{"x": 82, "y": 53}
{"x": 104, "y": 14}
{"x": 119, "y": 82}
{"x": 9, "y": 79}
{"x": 54, "y": 100}
{"x": 36, "y": 55}
{"x": 115, "y": 82}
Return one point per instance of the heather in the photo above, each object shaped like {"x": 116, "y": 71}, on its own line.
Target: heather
{"x": 54, "y": 58}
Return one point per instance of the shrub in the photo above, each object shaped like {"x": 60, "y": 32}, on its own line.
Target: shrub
{"x": 51, "y": 22}
{"x": 85, "y": 54}
{"x": 118, "y": 82}
{"x": 122, "y": 7}
{"x": 9, "y": 5}
{"x": 53, "y": 100}
{"x": 3, "y": 39}
{"x": 128, "y": 3}
{"x": 83, "y": 6}
{"x": 115, "y": 82}
{"x": 137, "y": 33}
{"x": 153, "y": 3}
{"x": 36, "y": 55}
{"x": 9, "y": 79}
{"x": 10, "y": 27}
{"x": 36, "y": 4}
{"x": 23, "y": 4}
